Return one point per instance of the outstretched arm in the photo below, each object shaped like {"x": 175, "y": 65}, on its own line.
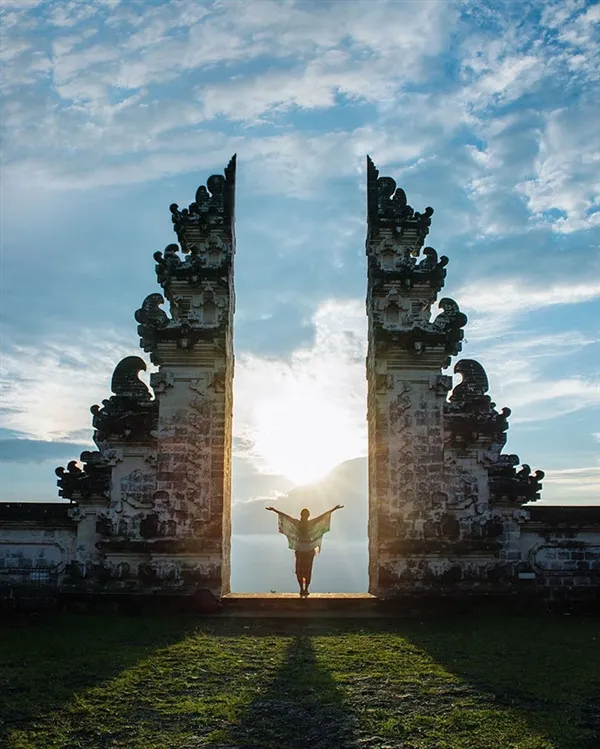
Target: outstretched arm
{"x": 333, "y": 509}
{"x": 279, "y": 512}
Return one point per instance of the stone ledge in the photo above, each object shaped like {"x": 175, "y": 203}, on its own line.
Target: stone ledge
{"x": 334, "y": 605}
{"x": 587, "y": 516}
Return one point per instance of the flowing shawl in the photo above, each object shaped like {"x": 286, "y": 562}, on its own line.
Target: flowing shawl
{"x": 313, "y": 533}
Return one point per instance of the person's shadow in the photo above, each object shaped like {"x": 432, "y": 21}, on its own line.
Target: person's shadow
{"x": 302, "y": 707}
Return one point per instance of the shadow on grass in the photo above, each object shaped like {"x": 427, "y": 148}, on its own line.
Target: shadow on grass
{"x": 157, "y": 682}
{"x": 43, "y": 666}
{"x": 302, "y": 707}
{"x": 545, "y": 669}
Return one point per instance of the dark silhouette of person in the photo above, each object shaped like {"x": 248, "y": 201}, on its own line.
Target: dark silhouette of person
{"x": 305, "y": 538}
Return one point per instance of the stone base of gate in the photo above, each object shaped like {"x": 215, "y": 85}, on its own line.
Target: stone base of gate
{"x": 365, "y": 605}
{"x": 274, "y": 605}
{"x": 287, "y": 605}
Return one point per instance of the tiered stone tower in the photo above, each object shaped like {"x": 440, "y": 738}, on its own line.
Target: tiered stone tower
{"x": 443, "y": 501}
{"x": 153, "y": 503}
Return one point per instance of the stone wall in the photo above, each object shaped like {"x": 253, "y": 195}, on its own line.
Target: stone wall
{"x": 560, "y": 548}
{"x": 37, "y": 544}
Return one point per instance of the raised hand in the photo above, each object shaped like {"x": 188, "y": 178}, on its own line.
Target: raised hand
{"x": 271, "y": 508}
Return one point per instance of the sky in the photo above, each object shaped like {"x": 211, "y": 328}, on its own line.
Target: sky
{"x": 484, "y": 110}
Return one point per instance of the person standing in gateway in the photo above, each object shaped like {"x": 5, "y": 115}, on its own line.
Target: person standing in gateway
{"x": 305, "y": 538}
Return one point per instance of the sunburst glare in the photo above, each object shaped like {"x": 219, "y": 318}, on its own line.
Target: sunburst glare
{"x": 300, "y": 418}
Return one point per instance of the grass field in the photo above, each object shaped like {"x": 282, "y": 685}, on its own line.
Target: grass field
{"x": 468, "y": 682}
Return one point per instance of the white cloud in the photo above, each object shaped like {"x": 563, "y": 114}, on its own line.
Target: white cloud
{"x": 567, "y": 170}
{"x": 108, "y": 89}
{"x": 516, "y": 296}
{"x": 539, "y": 400}
{"x": 573, "y": 485}
{"x": 47, "y": 391}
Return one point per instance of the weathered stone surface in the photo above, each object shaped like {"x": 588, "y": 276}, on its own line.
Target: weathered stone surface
{"x": 83, "y": 483}
{"x": 130, "y": 415}
{"x": 442, "y": 496}
{"x": 151, "y": 507}
{"x": 471, "y": 417}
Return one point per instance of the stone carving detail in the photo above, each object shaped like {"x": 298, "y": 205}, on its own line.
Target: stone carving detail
{"x": 91, "y": 481}
{"x": 161, "y": 381}
{"x": 152, "y": 319}
{"x": 137, "y": 488}
{"x": 399, "y": 324}
{"x": 507, "y": 485}
{"x": 387, "y": 208}
{"x": 130, "y": 414}
{"x": 167, "y": 264}
{"x": 195, "y": 318}
{"x": 396, "y": 262}
{"x": 450, "y": 322}
{"x": 213, "y": 209}
{"x": 471, "y": 416}
{"x": 435, "y": 466}
{"x": 208, "y": 258}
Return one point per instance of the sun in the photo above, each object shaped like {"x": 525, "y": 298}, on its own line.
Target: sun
{"x": 301, "y": 434}
{"x": 300, "y": 415}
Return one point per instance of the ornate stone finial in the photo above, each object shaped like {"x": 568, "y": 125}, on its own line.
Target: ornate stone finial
{"x": 125, "y": 380}
{"x": 151, "y": 319}
{"x": 213, "y": 208}
{"x": 474, "y": 384}
{"x": 167, "y": 263}
{"x": 130, "y": 414}
{"x": 451, "y": 322}
{"x": 387, "y": 208}
{"x": 471, "y": 417}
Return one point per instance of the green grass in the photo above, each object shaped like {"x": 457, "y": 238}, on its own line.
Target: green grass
{"x": 156, "y": 683}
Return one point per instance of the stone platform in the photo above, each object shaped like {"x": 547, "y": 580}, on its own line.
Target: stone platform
{"x": 333, "y": 605}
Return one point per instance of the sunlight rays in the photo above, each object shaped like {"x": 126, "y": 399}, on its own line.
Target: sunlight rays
{"x": 300, "y": 418}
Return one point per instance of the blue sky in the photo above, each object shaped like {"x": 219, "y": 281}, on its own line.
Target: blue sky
{"x": 484, "y": 110}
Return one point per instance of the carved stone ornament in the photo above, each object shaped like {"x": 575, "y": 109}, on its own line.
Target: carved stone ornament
{"x": 392, "y": 261}
{"x": 450, "y": 321}
{"x": 130, "y": 414}
{"x": 509, "y": 486}
{"x": 167, "y": 264}
{"x": 387, "y": 208}
{"x": 151, "y": 319}
{"x": 411, "y": 333}
{"x": 208, "y": 259}
{"x": 91, "y": 481}
{"x": 470, "y": 415}
{"x": 214, "y": 207}
{"x": 161, "y": 381}
{"x": 200, "y": 317}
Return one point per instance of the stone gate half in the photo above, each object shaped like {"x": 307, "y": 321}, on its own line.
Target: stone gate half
{"x": 444, "y": 502}
{"x": 153, "y": 503}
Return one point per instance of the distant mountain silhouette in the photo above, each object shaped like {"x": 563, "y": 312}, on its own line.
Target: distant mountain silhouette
{"x": 260, "y": 558}
{"x": 346, "y": 484}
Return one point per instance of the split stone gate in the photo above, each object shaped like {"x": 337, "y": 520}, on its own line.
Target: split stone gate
{"x": 150, "y": 509}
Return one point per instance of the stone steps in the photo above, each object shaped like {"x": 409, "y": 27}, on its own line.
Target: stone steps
{"x": 334, "y": 605}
